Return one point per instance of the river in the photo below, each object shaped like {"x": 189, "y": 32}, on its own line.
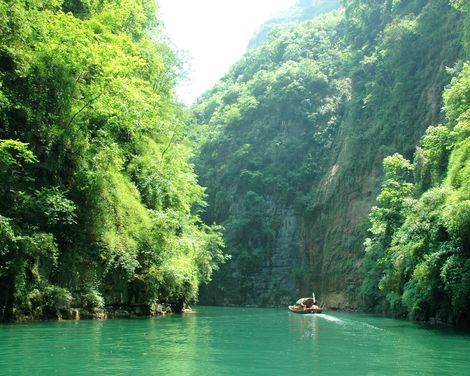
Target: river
{"x": 235, "y": 341}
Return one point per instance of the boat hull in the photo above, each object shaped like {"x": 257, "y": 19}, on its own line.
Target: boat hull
{"x": 304, "y": 311}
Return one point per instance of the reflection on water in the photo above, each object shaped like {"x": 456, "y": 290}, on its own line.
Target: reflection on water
{"x": 307, "y": 325}
{"x": 234, "y": 341}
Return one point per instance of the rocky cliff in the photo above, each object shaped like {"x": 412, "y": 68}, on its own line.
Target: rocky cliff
{"x": 297, "y": 134}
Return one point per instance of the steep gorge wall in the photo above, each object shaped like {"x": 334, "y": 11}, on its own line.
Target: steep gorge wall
{"x": 396, "y": 119}
{"x": 312, "y": 199}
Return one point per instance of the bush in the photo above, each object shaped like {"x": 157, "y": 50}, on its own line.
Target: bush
{"x": 92, "y": 298}
{"x": 55, "y": 299}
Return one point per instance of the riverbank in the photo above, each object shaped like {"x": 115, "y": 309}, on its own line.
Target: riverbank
{"x": 132, "y": 311}
{"x": 108, "y": 312}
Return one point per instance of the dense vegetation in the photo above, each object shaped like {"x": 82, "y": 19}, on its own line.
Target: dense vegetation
{"x": 97, "y": 197}
{"x": 100, "y": 206}
{"x": 301, "y": 11}
{"x": 295, "y": 138}
{"x": 271, "y": 123}
{"x": 418, "y": 256}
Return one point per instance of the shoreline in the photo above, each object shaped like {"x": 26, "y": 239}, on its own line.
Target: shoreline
{"x": 160, "y": 310}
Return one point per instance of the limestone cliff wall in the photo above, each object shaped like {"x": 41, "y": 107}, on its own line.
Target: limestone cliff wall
{"x": 315, "y": 243}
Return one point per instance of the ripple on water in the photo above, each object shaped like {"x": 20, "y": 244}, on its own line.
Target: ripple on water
{"x": 220, "y": 341}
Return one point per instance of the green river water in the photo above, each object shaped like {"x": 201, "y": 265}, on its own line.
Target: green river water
{"x": 234, "y": 341}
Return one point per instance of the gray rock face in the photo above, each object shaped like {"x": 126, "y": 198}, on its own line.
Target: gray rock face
{"x": 275, "y": 278}
{"x": 282, "y": 249}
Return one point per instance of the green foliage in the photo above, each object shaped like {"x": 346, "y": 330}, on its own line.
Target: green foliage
{"x": 272, "y": 121}
{"x": 91, "y": 147}
{"x": 393, "y": 203}
{"x": 431, "y": 160}
{"x": 464, "y": 8}
{"x": 55, "y": 298}
{"x": 8, "y": 245}
{"x": 302, "y": 11}
{"x": 422, "y": 270}
{"x": 455, "y": 275}
{"x": 296, "y": 133}
{"x": 92, "y": 298}
{"x": 14, "y": 154}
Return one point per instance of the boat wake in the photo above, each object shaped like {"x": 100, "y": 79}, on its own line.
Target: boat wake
{"x": 370, "y": 326}
{"x": 329, "y": 318}
{"x": 348, "y": 322}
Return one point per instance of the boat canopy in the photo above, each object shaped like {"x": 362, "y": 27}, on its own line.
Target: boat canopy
{"x": 304, "y": 300}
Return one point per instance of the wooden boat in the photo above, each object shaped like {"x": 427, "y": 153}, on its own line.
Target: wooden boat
{"x": 300, "y": 309}
{"x": 305, "y": 305}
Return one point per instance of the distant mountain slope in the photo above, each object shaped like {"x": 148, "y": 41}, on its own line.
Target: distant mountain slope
{"x": 303, "y": 10}
{"x": 296, "y": 135}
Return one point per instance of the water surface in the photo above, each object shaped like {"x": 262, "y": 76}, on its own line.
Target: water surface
{"x": 234, "y": 341}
